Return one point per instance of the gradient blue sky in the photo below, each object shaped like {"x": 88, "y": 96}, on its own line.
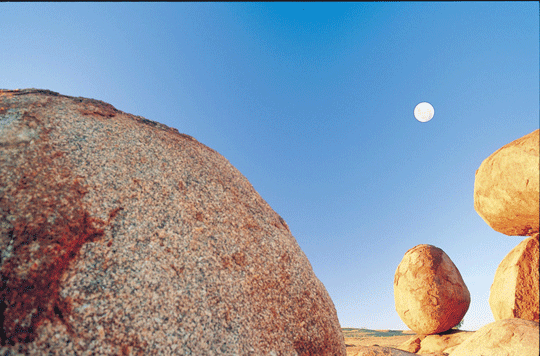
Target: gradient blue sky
{"x": 313, "y": 103}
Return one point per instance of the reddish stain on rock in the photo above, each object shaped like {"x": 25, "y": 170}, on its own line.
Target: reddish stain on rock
{"x": 29, "y": 297}
{"x": 44, "y": 240}
{"x": 229, "y": 280}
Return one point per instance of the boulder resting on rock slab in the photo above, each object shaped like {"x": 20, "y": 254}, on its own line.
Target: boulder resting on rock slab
{"x": 121, "y": 236}
{"x": 515, "y": 289}
{"x": 506, "y": 187}
{"x": 429, "y": 293}
{"x": 436, "y": 343}
{"x": 507, "y": 337}
{"x": 442, "y": 342}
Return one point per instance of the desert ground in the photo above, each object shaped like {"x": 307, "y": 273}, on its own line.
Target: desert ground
{"x": 367, "y": 337}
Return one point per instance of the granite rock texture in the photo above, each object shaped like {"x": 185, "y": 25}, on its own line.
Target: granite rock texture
{"x": 507, "y": 337}
{"x": 515, "y": 289}
{"x": 506, "y": 187}
{"x": 121, "y": 236}
{"x": 429, "y": 293}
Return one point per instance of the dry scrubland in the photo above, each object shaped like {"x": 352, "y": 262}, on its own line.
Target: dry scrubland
{"x": 366, "y": 337}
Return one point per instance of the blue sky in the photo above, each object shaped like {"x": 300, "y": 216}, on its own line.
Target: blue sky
{"x": 313, "y": 103}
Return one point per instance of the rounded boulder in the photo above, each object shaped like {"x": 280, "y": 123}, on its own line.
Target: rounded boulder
{"x": 515, "y": 289}
{"x": 506, "y": 187}
{"x": 429, "y": 293}
{"x": 122, "y": 236}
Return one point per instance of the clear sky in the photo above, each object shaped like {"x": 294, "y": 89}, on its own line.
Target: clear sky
{"x": 313, "y": 103}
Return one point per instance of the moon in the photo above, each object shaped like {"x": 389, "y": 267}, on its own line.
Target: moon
{"x": 424, "y": 112}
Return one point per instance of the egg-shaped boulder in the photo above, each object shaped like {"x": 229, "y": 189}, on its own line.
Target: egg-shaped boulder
{"x": 429, "y": 292}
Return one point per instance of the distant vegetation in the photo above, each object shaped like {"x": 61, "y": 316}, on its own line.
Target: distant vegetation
{"x": 353, "y": 332}
{"x": 459, "y": 325}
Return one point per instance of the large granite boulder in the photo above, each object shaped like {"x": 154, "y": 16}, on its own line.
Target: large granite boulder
{"x": 507, "y": 337}
{"x": 515, "y": 289}
{"x": 506, "y": 187}
{"x": 121, "y": 236}
{"x": 429, "y": 292}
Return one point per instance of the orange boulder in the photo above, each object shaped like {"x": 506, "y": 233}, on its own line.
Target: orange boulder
{"x": 506, "y": 187}
{"x": 515, "y": 289}
{"x": 429, "y": 292}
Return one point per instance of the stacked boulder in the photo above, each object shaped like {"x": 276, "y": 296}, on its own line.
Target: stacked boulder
{"x": 506, "y": 187}
{"x": 514, "y": 292}
{"x": 506, "y": 196}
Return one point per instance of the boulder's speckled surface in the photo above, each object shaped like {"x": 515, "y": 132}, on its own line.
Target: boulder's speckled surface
{"x": 121, "y": 236}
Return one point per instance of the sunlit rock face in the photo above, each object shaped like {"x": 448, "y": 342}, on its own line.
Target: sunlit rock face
{"x": 507, "y": 337}
{"x": 443, "y": 342}
{"x": 515, "y": 289}
{"x": 121, "y": 236}
{"x": 506, "y": 187}
{"x": 429, "y": 292}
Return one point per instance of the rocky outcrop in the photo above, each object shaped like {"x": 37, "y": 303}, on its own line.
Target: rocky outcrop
{"x": 444, "y": 341}
{"x": 437, "y": 343}
{"x": 429, "y": 292}
{"x": 121, "y": 236}
{"x": 515, "y": 289}
{"x": 506, "y": 187}
{"x": 413, "y": 344}
{"x": 507, "y": 337}
{"x": 386, "y": 351}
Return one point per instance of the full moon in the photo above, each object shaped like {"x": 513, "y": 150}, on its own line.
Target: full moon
{"x": 423, "y": 112}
